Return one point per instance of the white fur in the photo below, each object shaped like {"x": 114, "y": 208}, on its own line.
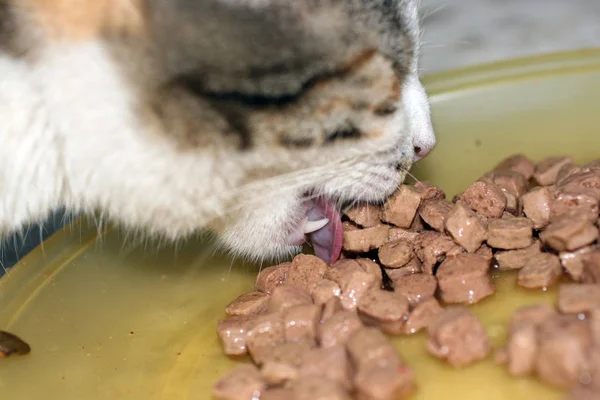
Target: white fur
{"x": 69, "y": 137}
{"x": 31, "y": 171}
{"x": 418, "y": 118}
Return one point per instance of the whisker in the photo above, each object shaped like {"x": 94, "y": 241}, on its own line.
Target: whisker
{"x": 428, "y": 12}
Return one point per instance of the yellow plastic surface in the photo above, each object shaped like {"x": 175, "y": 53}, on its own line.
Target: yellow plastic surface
{"x": 110, "y": 319}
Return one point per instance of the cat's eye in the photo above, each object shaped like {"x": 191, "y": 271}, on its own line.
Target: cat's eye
{"x": 348, "y": 131}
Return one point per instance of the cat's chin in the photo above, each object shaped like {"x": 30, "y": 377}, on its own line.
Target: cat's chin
{"x": 321, "y": 228}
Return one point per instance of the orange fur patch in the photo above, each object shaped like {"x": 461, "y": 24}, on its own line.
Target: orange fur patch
{"x": 76, "y": 20}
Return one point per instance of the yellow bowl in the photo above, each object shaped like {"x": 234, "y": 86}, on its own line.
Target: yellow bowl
{"x": 109, "y": 318}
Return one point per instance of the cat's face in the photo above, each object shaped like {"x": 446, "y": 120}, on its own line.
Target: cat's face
{"x": 287, "y": 110}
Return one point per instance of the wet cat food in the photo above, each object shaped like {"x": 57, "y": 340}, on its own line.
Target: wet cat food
{"x": 396, "y": 254}
{"x": 516, "y": 259}
{"x": 510, "y": 233}
{"x": 435, "y": 212}
{"x": 536, "y": 206}
{"x": 271, "y": 277}
{"x": 457, "y": 336}
{"x": 401, "y": 208}
{"x": 11, "y": 344}
{"x": 465, "y": 227}
{"x": 540, "y": 271}
{"x": 485, "y": 198}
{"x": 412, "y": 267}
{"x": 464, "y": 279}
{"x": 363, "y": 240}
{"x": 546, "y": 171}
{"x": 248, "y": 304}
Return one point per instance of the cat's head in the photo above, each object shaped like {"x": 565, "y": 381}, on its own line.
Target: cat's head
{"x": 297, "y": 107}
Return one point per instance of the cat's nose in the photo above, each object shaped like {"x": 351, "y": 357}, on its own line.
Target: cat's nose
{"x": 422, "y": 149}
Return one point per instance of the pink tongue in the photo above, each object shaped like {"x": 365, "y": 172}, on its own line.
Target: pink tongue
{"x": 327, "y": 241}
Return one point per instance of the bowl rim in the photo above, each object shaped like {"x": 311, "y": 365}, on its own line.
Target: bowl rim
{"x": 555, "y": 63}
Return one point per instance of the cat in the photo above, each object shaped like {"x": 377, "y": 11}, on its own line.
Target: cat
{"x": 253, "y": 119}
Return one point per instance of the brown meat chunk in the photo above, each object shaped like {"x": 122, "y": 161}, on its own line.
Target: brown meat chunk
{"x": 290, "y": 353}
{"x": 341, "y": 270}
{"x": 368, "y": 346}
{"x": 287, "y": 296}
{"x": 318, "y": 388}
{"x": 578, "y": 298}
{"x": 536, "y": 314}
{"x": 248, "y": 304}
{"x": 485, "y": 198}
{"x": 464, "y": 279}
{"x": 349, "y": 226}
{"x": 511, "y": 182}
{"x": 413, "y": 267}
{"x": 541, "y": 271}
{"x": 485, "y": 251}
{"x": 365, "y": 215}
{"x": 277, "y": 394}
{"x": 522, "y": 349}
{"x": 510, "y": 233}
{"x": 265, "y": 332}
{"x": 301, "y": 322}
{"x": 390, "y": 328}
{"x": 416, "y": 287}
{"x": 385, "y": 382}
{"x": 465, "y": 228}
{"x": 370, "y": 267}
{"x": 352, "y": 292}
{"x": 567, "y": 170}
{"x": 403, "y": 234}
{"x": 537, "y": 206}
{"x": 428, "y": 191}
{"x": 572, "y": 261}
{"x": 432, "y": 247}
{"x": 331, "y": 307}
{"x": 569, "y": 232}
{"x": 417, "y": 225}
{"x": 434, "y": 213}
{"x": 233, "y": 333}
{"x": 593, "y": 165}
{"x": 353, "y": 280}
{"x": 11, "y": 344}
{"x": 591, "y": 267}
{"x": 396, "y": 254}
{"x": 271, "y": 277}
{"x": 594, "y": 318}
{"x": 586, "y": 181}
{"x": 363, "y": 240}
{"x": 324, "y": 290}
{"x": 338, "y": 328}
{"x": 546, "y": 170}
{"x": 243, "y": 383}
{"x": 568, "y": 202}
{"x": 564, "y": 342}
{"x": 401, "y": 208}
{"x": 516, "y": 259}
{"x": 331, "y": 363}
{"x": 276, "y": 373}
{"x": 584, "y": 392}
{"x": 305, "y": 271}
{"x": 517, "y": 163}
{"x": 513, "y": 206}
{"x": 383, "y": 305}
{"x": 422, "y": 315}
{"x": 457, "y": 336}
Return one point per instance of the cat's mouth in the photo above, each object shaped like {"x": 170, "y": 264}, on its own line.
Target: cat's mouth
{"x": 321, "y": 227}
